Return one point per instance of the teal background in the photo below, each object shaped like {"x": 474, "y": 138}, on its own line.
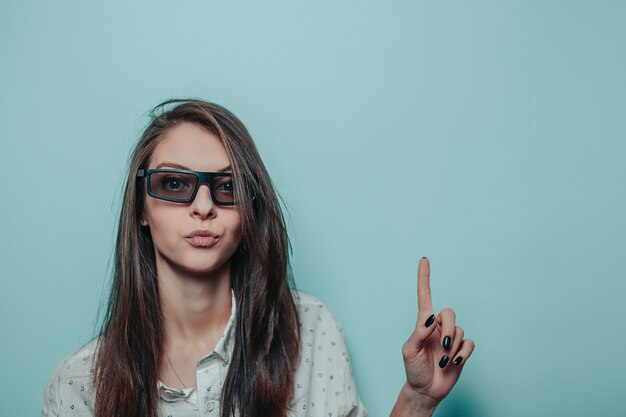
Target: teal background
{"x": 486, "y": 135}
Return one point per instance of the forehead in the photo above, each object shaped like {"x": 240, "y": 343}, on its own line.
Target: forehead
{"x": 192, "y": 146}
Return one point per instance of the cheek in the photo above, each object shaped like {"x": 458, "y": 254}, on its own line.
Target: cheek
{"x": 163, "y": 226}
{"x": 236, "y": 228}
{"x": 162, "y": 237}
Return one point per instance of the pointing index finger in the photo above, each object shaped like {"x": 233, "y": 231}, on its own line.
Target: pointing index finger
{"x": 424, "y": 303}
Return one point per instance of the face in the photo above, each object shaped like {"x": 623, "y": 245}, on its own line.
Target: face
{"x": 192, "y": 147}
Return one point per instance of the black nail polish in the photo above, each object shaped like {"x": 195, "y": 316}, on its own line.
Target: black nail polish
{"x": 430, "y": 320}
{"x": 446, "y": 342}
{"x": 458, "y": 360}
{"x": 444, "y": 361}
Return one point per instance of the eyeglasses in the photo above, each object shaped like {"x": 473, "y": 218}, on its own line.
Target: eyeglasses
{"x": 181, "y": 186}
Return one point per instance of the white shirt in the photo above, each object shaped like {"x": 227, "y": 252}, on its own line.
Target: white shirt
{"x": 324, "y": 383}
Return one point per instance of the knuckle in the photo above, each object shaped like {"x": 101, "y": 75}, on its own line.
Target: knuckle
{"x": 449, "y": 312}
{"x": 459, "y": 332}
{"x": 407, "y": 350}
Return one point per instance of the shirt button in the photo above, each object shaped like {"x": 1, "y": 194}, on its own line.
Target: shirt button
{"x": 210, "y": 406}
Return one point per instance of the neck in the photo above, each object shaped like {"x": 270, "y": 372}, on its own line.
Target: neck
{"x": 195, "y": 309}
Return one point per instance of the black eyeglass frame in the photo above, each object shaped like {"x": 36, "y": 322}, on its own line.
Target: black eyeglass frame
{"x": 203, "y": 178}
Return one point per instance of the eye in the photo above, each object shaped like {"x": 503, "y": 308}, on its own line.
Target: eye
{"x": 174, "y": 183}
{"x": 224, "y": 185}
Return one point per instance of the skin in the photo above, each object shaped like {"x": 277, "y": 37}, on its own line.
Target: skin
{"x": 195, "y": 291}
{"x": 427, "y": 383}
{"x": 194, "y": 283}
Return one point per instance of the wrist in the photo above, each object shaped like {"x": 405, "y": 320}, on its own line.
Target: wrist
{"x": 413, "y": 404}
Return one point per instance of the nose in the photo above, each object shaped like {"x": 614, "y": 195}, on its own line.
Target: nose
{"x": 203, "y": 205}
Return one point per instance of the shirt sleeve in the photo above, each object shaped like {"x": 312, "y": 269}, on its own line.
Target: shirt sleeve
{"x": 352, "y": 405}
{"x": 50, "y": 396}
{"x": 69, "y": 392}
{"x": 325, "y": 384}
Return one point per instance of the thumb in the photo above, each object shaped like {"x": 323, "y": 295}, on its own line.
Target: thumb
{"x": 426, "y": 325}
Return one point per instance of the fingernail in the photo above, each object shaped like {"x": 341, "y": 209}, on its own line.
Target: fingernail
{"x": 430, "y": 320}
{"x": 423, "y": 257}
{"x": 458, "y": 360}
{"x": 444, "y": 361}
{"x": 446, "y": 342}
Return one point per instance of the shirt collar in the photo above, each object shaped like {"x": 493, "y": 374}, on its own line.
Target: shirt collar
{"x": 223, "y": 349}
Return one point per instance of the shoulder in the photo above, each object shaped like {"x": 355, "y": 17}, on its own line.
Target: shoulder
{"x": 79, "y": 362}
{"x": 321, "y": 333}
{"x": 324, "y": 381}
{"x": 70, "y": 388}
{"x": 314, "y": 314}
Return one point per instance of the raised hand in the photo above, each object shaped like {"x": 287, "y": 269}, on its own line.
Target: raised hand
{"x": 435, "y": 353}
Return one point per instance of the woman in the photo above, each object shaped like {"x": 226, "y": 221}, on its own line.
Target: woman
{"x": 201, "y": 318}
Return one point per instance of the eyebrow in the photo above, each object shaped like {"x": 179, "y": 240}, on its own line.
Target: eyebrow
{"x": 178, "y": 166}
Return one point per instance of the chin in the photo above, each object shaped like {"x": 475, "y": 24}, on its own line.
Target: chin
{"x": 204, "y": 268}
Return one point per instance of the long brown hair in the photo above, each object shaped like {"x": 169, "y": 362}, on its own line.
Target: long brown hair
{"x": 266, "y": 344}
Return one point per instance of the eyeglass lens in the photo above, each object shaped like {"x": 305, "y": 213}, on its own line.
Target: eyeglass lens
{"x": 180, "y": 186}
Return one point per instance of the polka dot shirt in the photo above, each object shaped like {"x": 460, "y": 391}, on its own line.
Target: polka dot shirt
{"x": 324, "y": 383}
